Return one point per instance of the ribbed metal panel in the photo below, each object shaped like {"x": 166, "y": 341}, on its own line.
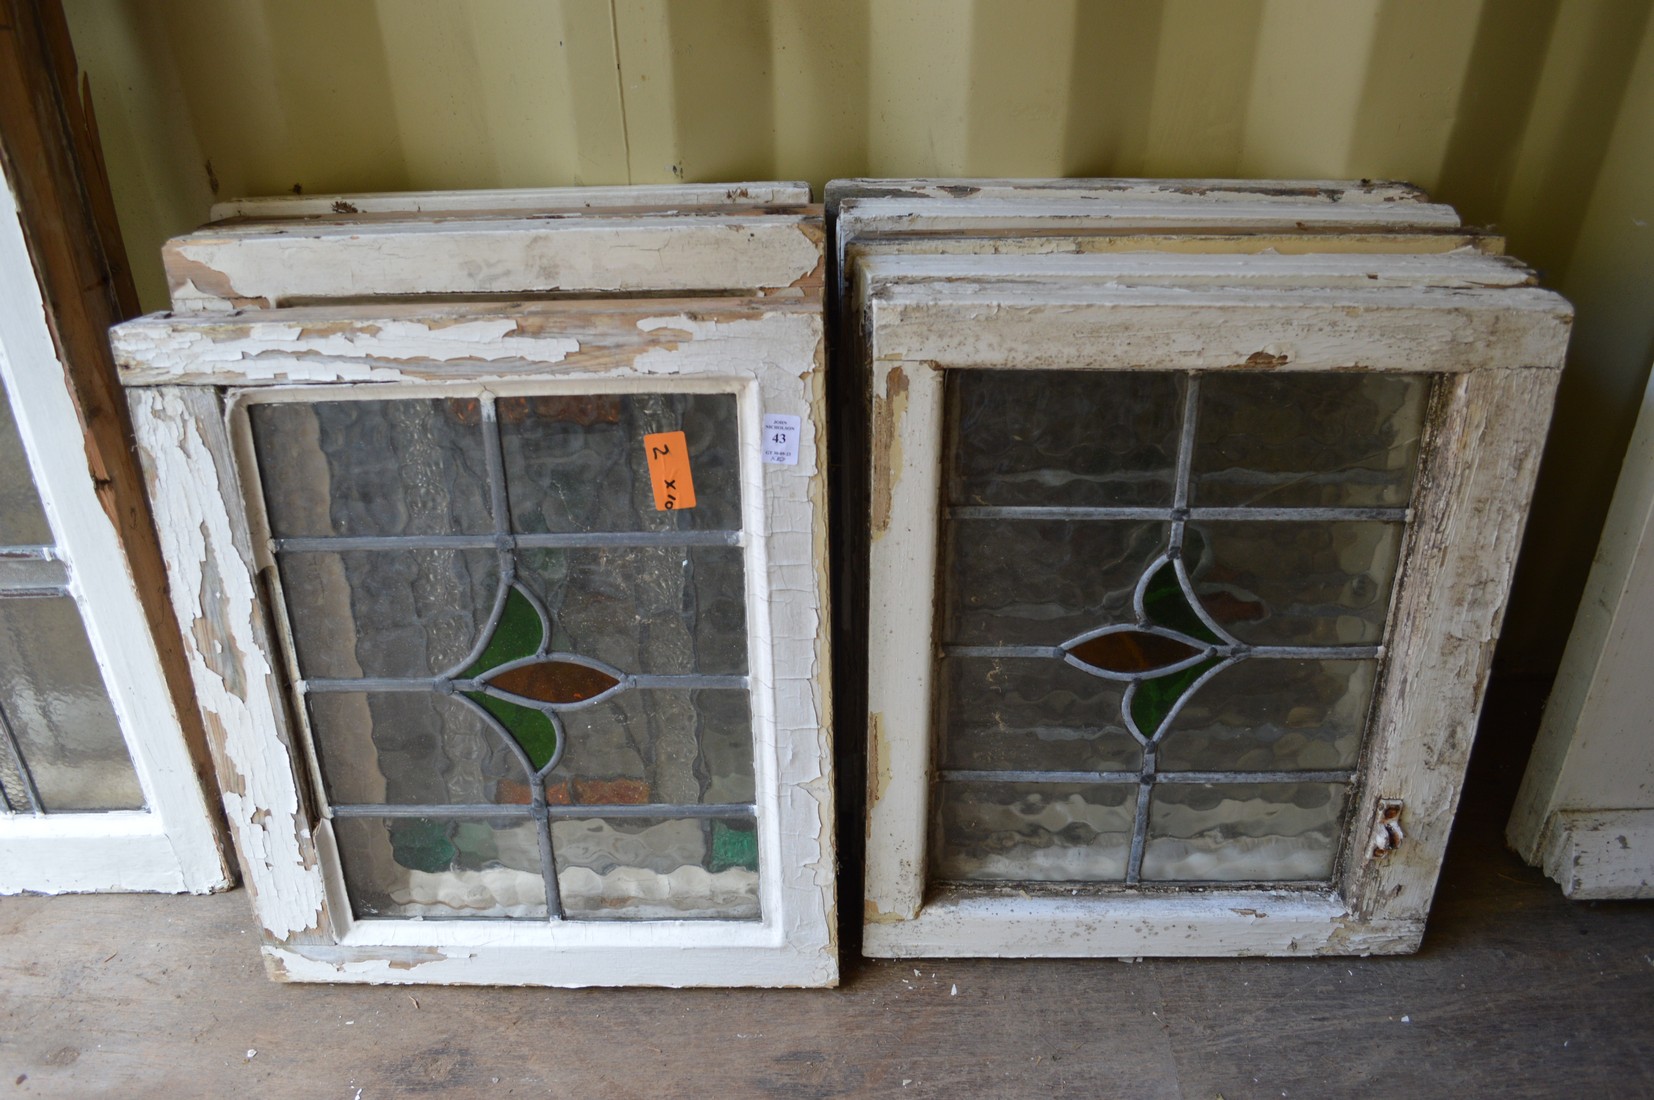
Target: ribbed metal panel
{"x": 1534, "y": 115}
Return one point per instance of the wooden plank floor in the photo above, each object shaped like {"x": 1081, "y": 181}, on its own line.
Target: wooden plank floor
{"x": 1517, "y": 993}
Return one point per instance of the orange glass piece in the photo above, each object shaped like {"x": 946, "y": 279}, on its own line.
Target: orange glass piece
{"x": 554, "y": 681}
{"x": 1127, "y": 652}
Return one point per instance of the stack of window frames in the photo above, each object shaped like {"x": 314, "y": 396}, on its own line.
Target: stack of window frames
{"x": 500, "y": 521}
{"x": 1190, "y": 513}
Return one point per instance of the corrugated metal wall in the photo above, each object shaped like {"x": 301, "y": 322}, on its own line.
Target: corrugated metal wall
{"x": 1534, "y": 115}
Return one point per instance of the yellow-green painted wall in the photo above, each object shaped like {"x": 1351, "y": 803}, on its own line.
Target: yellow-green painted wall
{"x": 1533, "y": 115}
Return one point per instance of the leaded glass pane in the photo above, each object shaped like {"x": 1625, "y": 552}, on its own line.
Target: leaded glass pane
{"x": 1066, "y": 438}
{"x": 1308, "y": 440}
{"x": 53, "y": 702}
{"x": 441, "y": 868}
{"x": 1036, "y": 832}
{"x": 396, "y": 613}
{"x": 573, "y": 464}
{"x": 668, "y": 609}
{"x": 412, "y": 748}
{"x": 1185, "y": 597}
{"x": 1039, "y": 582}
{"x": 639, "y": 747}
{"x": 1296, "y": 583}
{"x": 1273, "y": 715}
{"x": 657, "y": 869}
{"x": 1241, "y": 832}
{"x": 495, "y": 631}
{"x": 1019, "y": 714}
{"x": 409, "y": 467}
{"x": 22, "y": 519}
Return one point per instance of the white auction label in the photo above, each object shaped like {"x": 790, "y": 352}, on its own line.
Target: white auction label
{"x": 781, "y": 439}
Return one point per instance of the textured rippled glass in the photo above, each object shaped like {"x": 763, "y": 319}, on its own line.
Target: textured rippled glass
{"x": 1031, "y": 714}
{"x": 1273, "y": 715}
{"x": 1033, "y": 832}
{"x": 411, "y": 748}
{"x": 436, "y": 869}
{"x": 1241, "y": 832}
{"x": 55, "y": 703}
{"x": 32, "y": 573}
{"x": 576, "y": 463}
{"x": 400, "y": 613}
{"x": 657, "y": 746}
{"x": 657, "y": 868}
{"x": 1296, "y": 584}
{"x": 659, "y": 610}
{"x": 1069, "y": 438}
{"x": 22, "y": 520}
{"x": 404, "y": 467}
{"x": 1307, "y": 440}
{"x": 1041, "y": 582}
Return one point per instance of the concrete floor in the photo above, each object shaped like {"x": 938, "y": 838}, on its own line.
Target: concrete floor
{"x": 1516, "y": 993}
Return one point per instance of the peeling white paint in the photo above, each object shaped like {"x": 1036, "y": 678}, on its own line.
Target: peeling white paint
{"x": 210, "y": 578}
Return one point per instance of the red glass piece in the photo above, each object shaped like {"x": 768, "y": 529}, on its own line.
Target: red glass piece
{"x": 553, "y": 681}
{"x": 1128, "y": 652}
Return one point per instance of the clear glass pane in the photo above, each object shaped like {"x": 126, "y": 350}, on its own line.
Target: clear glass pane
{"x": 1041, "y": 582}
{"x": 1031, "y": 714}
{"x": 650, "y": 747}
{"x": 1273, "y": 715}
{"x": 1305, "y": 584}
{"x": 411, "y": 748}
{"x": 658, "y": 610}
{"x": 657, "y": 869}
{"x": 54, "y": 701}
{"x": 1307, "y": 440}
{"x": 22, "y": 520}
{"x": 577, "y": 463}
{"x": 1240, "y": 832}
{"x": 406, "y": 467}
{"x": 1069, "y": 438}
{"x": 395, "y": 613}
{"x": 32, "y": 573}
{"x": 441, "y": 868}
{"x": 1034, "y": 832}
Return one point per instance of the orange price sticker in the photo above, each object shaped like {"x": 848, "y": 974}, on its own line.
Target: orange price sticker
{"x": 669, "y": 471}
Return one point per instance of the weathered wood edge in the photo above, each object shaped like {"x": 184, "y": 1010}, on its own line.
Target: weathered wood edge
{"x": 1600, "y": 854}
{"x": 1058, "y": 325}
{"x": 435, "y": 341}
{"x": 517, "y": 198}
{"x": 1107, "y": 189}
{"x": 217, "y": 597}
{"x": 279, "y": 264}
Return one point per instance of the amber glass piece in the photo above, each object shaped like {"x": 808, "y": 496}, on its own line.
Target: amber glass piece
{"x": 554, "y": 681}
{"x": 1128, "y": 652}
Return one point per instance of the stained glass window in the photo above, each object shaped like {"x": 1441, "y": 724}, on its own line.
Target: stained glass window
{"x": 525, "y": 685}
{"x": 1163, "y": 611}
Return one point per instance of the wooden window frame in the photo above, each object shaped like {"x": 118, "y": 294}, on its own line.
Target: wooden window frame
{"x": 1499, "y": 353}
{"x": 768, "y": 352}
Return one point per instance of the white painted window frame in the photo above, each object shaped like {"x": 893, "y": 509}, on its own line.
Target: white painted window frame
{"x": 767, "y": 352}
{"x": 1499, "y": 353}
{"x": 171, "y": 845}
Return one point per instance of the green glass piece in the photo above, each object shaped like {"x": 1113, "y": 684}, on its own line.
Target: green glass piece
{"x": 517, "y": 635}
{"x": 476, "y": 841}
{"x": 530, "y": 728}
{"x": 1166, "y": 604}
{"x": 1154, "y": 699}
{"x": 421, "y": 845}
{"x": 733, "y": 847}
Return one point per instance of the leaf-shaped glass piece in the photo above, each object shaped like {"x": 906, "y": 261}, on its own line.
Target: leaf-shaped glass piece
{"x": 518, "y": 634}
{"x": 554, "y": 681}
{"x": 530, "y": 728}
{"x": 1165, "y": 602}
{"x": 1132, "y": 652}
{"x": 1152, "y": 700}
